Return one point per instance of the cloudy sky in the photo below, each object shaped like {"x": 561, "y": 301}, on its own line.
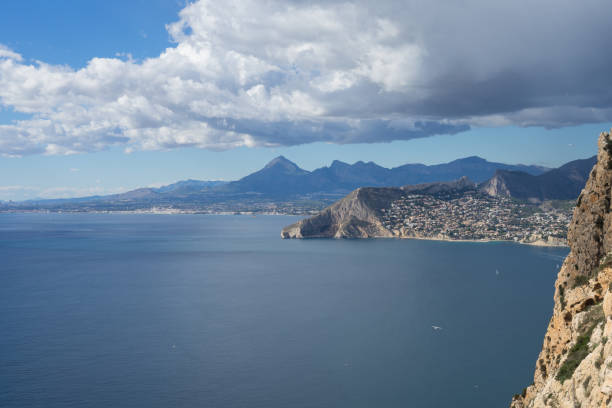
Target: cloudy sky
{"x": 102, "y": 96}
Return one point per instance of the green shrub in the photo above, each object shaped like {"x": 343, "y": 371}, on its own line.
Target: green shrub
{"x": 581, "y": 349}
{"x": 580, "y": 280}
{"x": 576, "y": 354}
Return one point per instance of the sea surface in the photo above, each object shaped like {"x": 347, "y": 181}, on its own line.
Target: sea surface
{"x": 101, "y": 310}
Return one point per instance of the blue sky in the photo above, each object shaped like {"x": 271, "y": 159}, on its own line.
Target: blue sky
{"x": 248, "y": 104}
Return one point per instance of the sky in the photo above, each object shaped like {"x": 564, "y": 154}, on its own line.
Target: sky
{"x": 100, "y": 97}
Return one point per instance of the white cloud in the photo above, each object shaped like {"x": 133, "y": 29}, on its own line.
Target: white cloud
{"x": 5, "y": 52}
{"x": 251, "y": 73}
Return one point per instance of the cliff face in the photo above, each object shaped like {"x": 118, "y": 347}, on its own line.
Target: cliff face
{"x": 496, "y": 186}
{"x": 574, "y": 368}
{"x": 355, "y": 216}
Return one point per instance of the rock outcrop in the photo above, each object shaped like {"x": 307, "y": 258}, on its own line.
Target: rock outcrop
{"x": 563, "y": 183}
{"x": 355, "y": 216}
{"x": 574, "y": 368}
{"x": 454, "y": 210}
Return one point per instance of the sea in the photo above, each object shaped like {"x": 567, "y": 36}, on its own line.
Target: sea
{"x": 147, "y": 310}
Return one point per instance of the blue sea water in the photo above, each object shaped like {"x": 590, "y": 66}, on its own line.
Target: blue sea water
{"x": 218, "y": 311}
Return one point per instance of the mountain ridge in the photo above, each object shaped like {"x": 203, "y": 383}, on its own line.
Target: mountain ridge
{"x": 281, "y": 178}
{"x": 561, "y": 183}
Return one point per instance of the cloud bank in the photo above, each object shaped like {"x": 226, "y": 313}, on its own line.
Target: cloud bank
{"x": 268, "y": 73}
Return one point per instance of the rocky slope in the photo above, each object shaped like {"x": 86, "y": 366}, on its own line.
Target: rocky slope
{"x": 361, "y": 213}
{"x": 355, "y": 216}
{"x": 574, "y": 368}
{"x": 446, "y": 210}
{"x": 563, "y": 183}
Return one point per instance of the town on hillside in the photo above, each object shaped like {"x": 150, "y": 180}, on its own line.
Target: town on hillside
{"x": 477, "y": 216}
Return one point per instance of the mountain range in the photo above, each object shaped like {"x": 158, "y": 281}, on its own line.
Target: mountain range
{"x": 281, "y": 177}
{"x": 282, "y": 181}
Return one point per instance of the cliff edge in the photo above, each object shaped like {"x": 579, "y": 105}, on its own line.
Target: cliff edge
{"x": 574, "y": 368}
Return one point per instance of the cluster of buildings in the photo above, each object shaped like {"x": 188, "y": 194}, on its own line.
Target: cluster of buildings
{"x": 476, "y": 216}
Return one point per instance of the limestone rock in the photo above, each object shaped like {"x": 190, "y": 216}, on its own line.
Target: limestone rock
{"x": 574, "y": 368}
{"x": 607, "y": 304}
{"x": 355, "y": 216}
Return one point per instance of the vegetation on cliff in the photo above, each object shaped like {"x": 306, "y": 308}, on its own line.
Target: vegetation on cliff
{"x": 574, "y": 368}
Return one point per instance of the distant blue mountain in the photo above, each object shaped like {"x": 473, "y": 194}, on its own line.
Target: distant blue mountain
{"x": 178, "y": 189}
{"x": 279, "y": 177}
{"x": 283, "y": 177}
{"x": 186, "y": 186}
{"x": 282, "y": 180}
{"x": 563, "y": 183}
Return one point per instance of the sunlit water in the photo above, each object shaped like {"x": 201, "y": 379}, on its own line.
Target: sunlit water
{"x": 218, "y": 311}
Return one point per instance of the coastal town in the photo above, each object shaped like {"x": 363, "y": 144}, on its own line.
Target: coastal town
{"x": 477, "y": 216}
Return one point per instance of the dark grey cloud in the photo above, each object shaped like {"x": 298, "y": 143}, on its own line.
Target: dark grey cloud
{"x": 362, "y": 131}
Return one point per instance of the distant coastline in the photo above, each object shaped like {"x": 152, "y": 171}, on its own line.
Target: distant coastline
{"x": 539, "y": 243}
{"x": 156, "y": 212}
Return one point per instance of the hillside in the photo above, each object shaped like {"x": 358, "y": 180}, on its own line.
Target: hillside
{"x": 574, "y": 368}
{"x": 357, "y": 215}
{"x": 563, "y": 183}
{"x": 446, "y": 210}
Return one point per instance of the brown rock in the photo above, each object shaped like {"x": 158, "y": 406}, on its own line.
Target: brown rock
{"x": 607, "y": 304}
{"x": 580, "y": 288}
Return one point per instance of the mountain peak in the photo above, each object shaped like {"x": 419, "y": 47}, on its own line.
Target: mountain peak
{"x": 470, "y": 159}
{"x": 281, "y": 161}
{"x": 338, "y": 163}
{"x": 284, "y": 165}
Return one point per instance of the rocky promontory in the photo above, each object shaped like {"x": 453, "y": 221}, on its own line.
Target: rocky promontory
{"x": 455, "y": 210}
{"x": 358, "y": 215}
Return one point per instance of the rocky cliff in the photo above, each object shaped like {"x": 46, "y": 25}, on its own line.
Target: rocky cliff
{"x": 563, "y": 183}
{"x": 355, "y": 216}
{"x": 574, "y": 368}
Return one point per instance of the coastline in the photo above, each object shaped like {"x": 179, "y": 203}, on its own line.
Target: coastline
{"x": 533, "y": 243}
{"x": 158, "y": 212}
{"x": 539, "y": 243}
{"x": 484, "y": 241}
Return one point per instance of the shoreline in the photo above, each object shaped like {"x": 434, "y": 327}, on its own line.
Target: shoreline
{"x": 139, "y": 212}
{"x": 534, "y": 243}
{"x": 482, "y": 241}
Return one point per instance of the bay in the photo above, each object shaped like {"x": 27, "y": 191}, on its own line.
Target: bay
{"x": 127, "y": 310}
